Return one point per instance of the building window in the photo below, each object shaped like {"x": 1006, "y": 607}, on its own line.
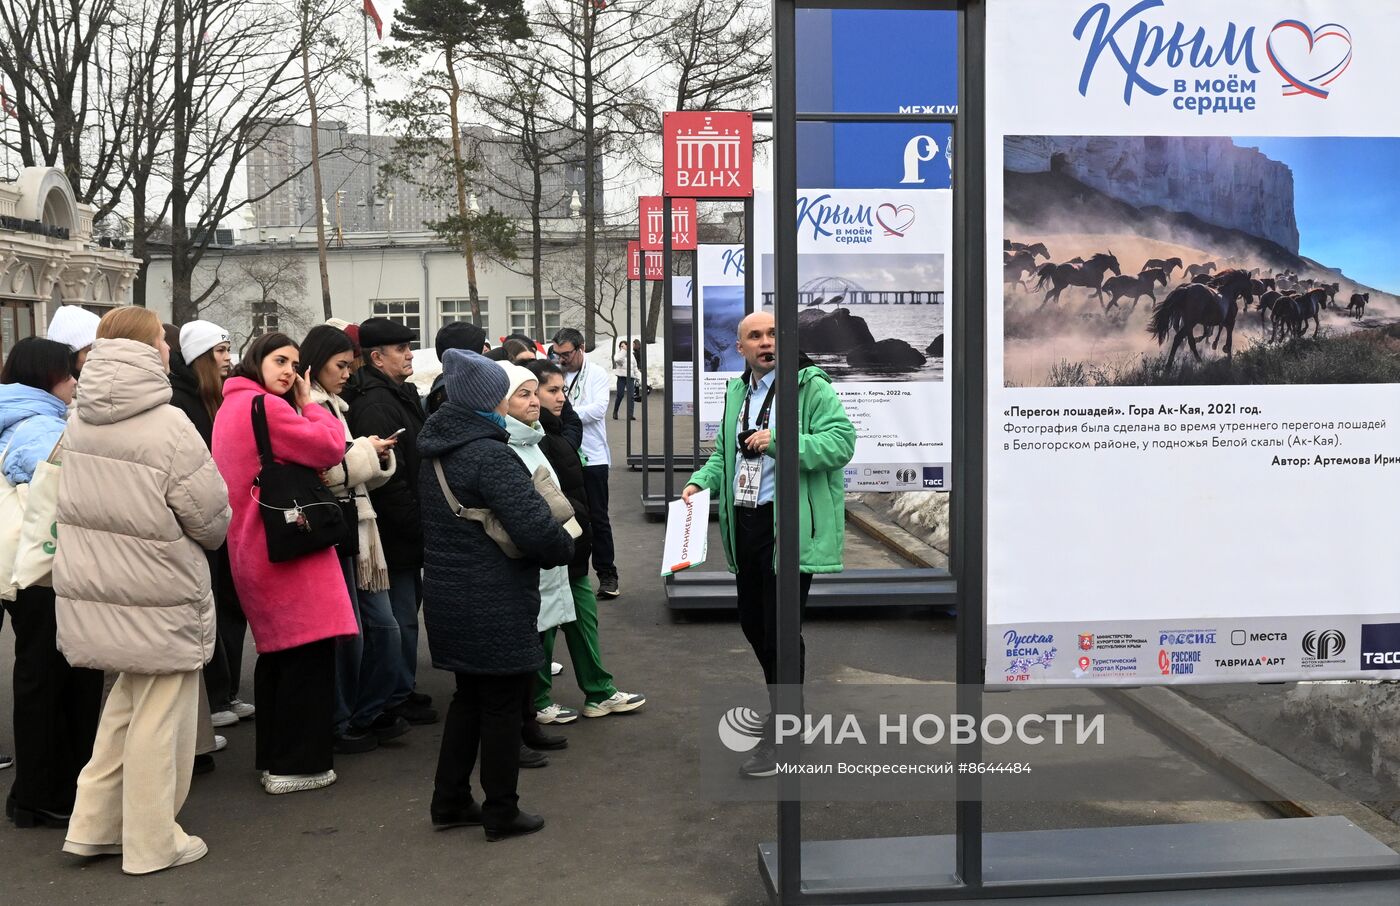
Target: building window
{"x": 403, "y": 311}
{"x": 265, "y": 318}
{"x": 522, "y": 319}
{"x": 452, "y": 310}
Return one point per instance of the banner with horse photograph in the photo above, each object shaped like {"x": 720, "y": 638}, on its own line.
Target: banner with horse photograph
{"x": 1194, "y": 341}
{"x": 873, "y": 275}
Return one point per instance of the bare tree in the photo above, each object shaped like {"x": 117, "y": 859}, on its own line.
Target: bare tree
{"x": 718, "y": 57}
{"x": 519, "y": 145}
{"x": 235, "y": 82}
{"x": 598, "y": 63}
{"x": 320, "y": 33}
{"x": 252, "y": 294}
{"x": 84, "y": 77}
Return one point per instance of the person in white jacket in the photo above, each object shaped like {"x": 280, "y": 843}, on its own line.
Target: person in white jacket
{"x": 588, "y": 390}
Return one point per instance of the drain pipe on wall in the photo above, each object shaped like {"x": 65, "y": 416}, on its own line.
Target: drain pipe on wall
{"x": 423, "y": 322}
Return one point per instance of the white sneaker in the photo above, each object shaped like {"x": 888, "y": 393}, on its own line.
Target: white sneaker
{"x": 555, "y": 668}
{"x": 556, "y": 714}
{"x": 244, "y": 710}
{"x": 92, "y": 850}
{"x": 617, "y": 703}
{"x": 277, "y": 784}
{"x": 194, "y": 850}
{"x": 223, "y": 719}
{"x": 220, "y": 743}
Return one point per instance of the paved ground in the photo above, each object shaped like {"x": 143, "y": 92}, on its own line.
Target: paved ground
{"x": 627, "y": 824}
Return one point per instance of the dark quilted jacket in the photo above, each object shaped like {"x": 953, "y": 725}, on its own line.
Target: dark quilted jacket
{"x": 480, "y": 606}
{"x": 379, "y": 406}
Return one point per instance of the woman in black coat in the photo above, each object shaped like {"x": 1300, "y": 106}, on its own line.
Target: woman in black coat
{"x": 480, "y": 606}
{"x": 200, "y": 360}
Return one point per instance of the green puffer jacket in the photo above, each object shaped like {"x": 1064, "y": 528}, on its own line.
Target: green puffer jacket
{"x": 826, "y": 442}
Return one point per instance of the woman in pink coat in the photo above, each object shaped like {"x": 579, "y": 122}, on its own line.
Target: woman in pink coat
{"x": 298, "y": 608}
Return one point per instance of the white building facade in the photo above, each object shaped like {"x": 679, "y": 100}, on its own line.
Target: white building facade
{"x": 48, "y": 256}
{"x": 415, "y": 279}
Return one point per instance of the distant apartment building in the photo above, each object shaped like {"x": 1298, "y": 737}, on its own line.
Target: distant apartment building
{"x": 360, "y": 198}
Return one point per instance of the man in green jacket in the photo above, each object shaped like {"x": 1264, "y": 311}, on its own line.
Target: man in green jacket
{"x": 741, "y": 475}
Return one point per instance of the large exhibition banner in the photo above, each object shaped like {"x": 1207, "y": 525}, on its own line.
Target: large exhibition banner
{"x": 720, "y": 276}
{"x": 873, "y": 275}
{"x": 682, "y": 347}
{"x": 1194, "y": 341}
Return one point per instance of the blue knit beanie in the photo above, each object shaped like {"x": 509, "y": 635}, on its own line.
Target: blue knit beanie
{"x": 473, "y": 381}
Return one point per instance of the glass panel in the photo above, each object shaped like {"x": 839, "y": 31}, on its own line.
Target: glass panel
{"x": 877, "y": 61}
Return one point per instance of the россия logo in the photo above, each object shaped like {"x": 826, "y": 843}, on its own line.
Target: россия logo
{"x": 740, "y": 729}
{"x": 1291, "y": 61}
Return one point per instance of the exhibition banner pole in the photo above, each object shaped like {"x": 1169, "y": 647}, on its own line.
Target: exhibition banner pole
{"x": 789, "y": 603}
{"x": 668, "y": 434}
{"x": 969, "y": 376}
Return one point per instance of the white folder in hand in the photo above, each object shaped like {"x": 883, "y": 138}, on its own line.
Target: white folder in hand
{"x": 687, "y": 533}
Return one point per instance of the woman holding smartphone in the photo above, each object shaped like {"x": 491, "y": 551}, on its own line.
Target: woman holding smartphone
{"x": 367, "y": 664}
{"x": 297, "y": 608}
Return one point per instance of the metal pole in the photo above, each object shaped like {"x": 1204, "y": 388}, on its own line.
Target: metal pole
{"x": 646, "y": 397}
{"x": 789, "y": 616}
{"x": 969, "y": 417}
{"x": 668, "y": 433}
{"x": 628, "y": 388}
{"x": 748, "y": 256}
{"x": 696, "y": 335}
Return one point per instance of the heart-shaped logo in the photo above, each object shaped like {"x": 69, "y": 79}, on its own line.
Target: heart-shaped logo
{"x": 900, "y": 218}
{"x": 1293, "y": 58}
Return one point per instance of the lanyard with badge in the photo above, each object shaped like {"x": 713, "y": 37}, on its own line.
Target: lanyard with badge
{"x": 750, "y": 477}
{"x": 570, "y": 391}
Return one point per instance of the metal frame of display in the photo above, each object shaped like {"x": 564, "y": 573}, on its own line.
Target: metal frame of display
{"x": 971, "y": 864}
{"x": 854, "y": 588}
{"x": 654, "y": 505}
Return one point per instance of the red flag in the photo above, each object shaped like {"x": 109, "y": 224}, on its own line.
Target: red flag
{"x": 7, "y": 107}
{"x": 374, "y": 15}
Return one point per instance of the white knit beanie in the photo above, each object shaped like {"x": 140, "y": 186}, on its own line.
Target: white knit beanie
{"x": 74, "y": 326}
{"x": 517, "y": 375}
{"x": 198, "y": 337}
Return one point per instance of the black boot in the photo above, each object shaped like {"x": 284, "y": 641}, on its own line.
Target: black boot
{"x": 448, "y": 816}
{"x": 536, "y": 738}
{"x": 523, "y": 823}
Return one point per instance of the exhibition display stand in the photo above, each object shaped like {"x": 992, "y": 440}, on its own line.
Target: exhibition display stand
{"x": 1272, "y": 859}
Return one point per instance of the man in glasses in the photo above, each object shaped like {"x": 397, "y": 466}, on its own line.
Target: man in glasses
{"x": 742, "y": 475}
{"x": 588, "y": 386}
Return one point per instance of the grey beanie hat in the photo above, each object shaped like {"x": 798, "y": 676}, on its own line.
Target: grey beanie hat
{"x": 473, "y": 381}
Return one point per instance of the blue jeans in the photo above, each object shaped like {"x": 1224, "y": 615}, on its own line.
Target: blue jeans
{"x": 625, "y": 386}
{"x": 406, "y": 596}
{"x": 369, "y": 666}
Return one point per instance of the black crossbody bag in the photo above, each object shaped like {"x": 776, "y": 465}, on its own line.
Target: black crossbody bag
{"x": 300, "y": 514}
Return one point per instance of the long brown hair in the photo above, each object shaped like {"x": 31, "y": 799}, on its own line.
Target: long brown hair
{"x": 210, "y": 378}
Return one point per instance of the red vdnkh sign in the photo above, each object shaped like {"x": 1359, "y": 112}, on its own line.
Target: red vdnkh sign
{"x": 707, "y": 154}
{"x": 650, "y": 215}
{"x": 654, "y": 270}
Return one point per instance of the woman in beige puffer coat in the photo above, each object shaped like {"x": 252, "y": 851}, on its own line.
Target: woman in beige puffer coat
{"x": 139, "y": 500}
